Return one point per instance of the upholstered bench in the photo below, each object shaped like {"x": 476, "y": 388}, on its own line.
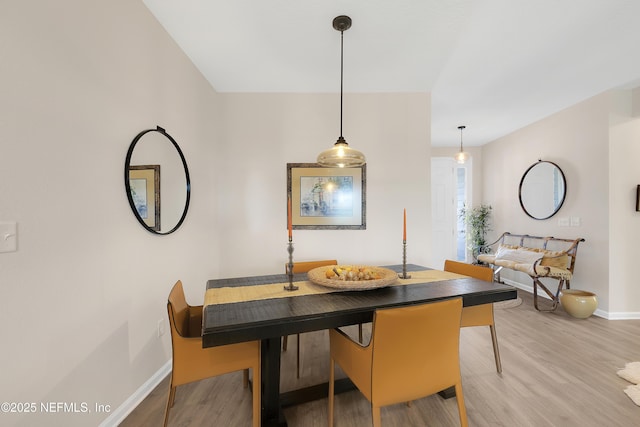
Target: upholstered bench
{"x": 538, "y": 257}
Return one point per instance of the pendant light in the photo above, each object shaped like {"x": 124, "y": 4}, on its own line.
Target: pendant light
{"x": 462, "y": 156}
{"x": 341, "y": 155}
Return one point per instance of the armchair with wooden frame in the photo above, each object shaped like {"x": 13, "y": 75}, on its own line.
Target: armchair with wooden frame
{"x": 413, "y": 353}
{"x": 477, "y": 315}
{"x": 192, "y": 363}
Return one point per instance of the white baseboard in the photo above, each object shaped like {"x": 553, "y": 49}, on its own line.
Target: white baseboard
{"x": 600, "y": 313}
{"x": 137, "y": 397}
{"x": 624, "y": 315}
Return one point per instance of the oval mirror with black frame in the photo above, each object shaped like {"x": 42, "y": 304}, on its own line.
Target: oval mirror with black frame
{"x": 156, "y": 180}
{"x": 542, "y": 190}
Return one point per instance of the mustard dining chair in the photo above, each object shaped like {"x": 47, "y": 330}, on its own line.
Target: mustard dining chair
{"x": 413, "y": 353}
{"x": 192, "y": 363}
{"x": 477, "y": 315}
{"x": 304, "y": 267}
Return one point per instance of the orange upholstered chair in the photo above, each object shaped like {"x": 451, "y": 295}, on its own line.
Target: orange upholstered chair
{"x": 304, "y": 267}
{"x": 477, "y": 315}
{"x": 413, "y": 353}
{"x": 192, "y": 363}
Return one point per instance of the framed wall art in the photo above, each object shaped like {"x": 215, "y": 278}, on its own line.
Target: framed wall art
{"x": 144, "y": 181}
{"x": 327, "y": 198}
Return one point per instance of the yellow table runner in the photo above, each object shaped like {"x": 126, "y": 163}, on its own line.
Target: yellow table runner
{"x": 231, "y": 294}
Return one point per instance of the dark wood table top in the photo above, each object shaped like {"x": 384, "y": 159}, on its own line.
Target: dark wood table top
{"x": 254, "y": 320}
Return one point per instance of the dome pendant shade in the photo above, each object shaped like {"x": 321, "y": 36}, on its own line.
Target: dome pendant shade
{"x": 341, "y": 155}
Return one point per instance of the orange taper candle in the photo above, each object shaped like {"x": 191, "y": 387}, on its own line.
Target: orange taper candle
{"x": 289, "y": 217}
{"x": 404, "y": 228}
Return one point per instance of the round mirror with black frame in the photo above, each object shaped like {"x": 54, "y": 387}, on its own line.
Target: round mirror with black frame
{"x": 543, "y": 189}
{"x": 156, "y": 181}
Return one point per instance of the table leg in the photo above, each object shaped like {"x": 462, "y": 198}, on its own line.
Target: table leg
{"x": 448, "y": 393}
{"x": 271, "y": 409}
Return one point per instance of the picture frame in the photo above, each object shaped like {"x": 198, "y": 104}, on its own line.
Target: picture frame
{"x": 327, "y": 198}
{"x": 144, "y": 181}
{"x": 638, "y": 198}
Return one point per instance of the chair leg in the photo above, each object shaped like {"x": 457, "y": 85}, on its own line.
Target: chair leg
{"x": 554, "y": 298}
{"x": 170, "y": 400}
{"x": 496, "y": 275}
{"x": 462, "y": 411}
{"x": 285, "y": 342}
{"x": 257, "y": 403}
{"x": 496, "y": 350}
{"x": 245, "y": 378}
{"x": 298, "y": 357}
{"x": 332, "y": 371}
{"x": 375, "y": 416}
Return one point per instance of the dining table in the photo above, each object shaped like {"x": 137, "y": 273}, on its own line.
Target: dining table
{"x": 233, "y": 313}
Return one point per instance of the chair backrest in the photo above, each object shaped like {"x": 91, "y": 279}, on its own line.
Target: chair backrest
{"x": 415, "y": 351}
{"x": 568, "y": 246}
{"x": 303, "y": 267}
{"x": 477, "y": 271}
{"x": 184, "y": 320}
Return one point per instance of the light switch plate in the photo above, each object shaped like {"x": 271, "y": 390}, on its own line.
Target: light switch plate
{"x": 563, "y": 222}
{"x": 8, "y": 236}
{"x": 576, "y": 221}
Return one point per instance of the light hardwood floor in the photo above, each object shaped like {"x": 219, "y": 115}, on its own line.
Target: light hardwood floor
{"x": 557, "y": 371}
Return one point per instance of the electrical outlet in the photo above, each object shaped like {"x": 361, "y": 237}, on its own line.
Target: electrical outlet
{"x": 160, "y": 328}
{"x": 576, "y": 221}
{"x": 563, "y": 222}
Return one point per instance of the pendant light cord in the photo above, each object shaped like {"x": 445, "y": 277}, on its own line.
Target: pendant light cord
{"x": 341, "y": 76}
{"x": 341, "y": 155}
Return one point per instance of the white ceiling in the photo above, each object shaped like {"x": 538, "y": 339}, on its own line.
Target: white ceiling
{"x": 492, "y": 65}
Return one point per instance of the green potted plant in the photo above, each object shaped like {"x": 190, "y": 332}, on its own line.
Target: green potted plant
{"x": 477, "y": 220}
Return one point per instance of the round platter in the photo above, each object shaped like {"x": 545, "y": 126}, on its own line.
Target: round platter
{"x": 387, "y": 277}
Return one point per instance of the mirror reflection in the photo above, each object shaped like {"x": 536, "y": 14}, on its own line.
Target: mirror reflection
{"x": 157, "y": 181}
{"x": 542, "y": 190}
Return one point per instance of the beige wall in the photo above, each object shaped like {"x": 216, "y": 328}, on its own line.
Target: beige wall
{"x": 595, "y": 144}
{"x": 85, "y": 290}
{"x": 267, "y": 131}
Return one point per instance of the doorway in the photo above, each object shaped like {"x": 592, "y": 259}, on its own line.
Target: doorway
{"x": 450, "y": 191}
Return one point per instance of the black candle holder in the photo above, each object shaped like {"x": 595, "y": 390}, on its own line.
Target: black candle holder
{"x": 404, "y": 274}
{"x": 290, "y": 286}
